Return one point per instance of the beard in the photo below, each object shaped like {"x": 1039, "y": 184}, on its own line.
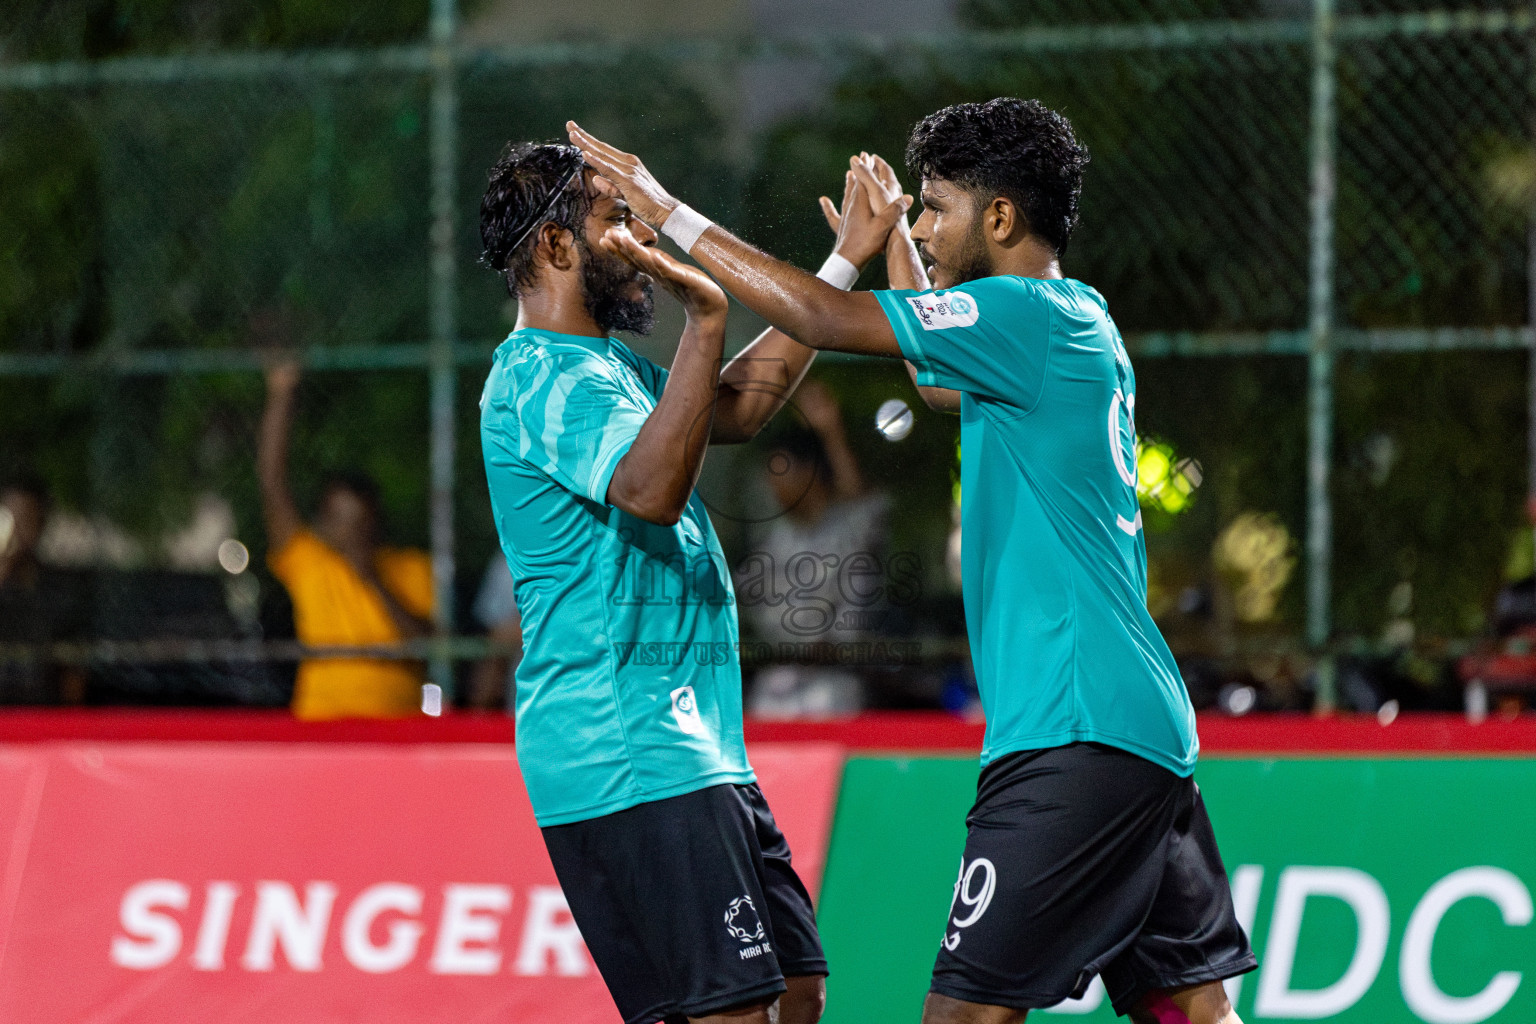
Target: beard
{"x": 969, "y": 263}
{"x": 972, "y": 261}
{"x": 605, "y": 282}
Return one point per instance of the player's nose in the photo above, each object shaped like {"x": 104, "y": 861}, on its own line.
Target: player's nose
{"x": 643, "y": 232}
{"x": 922, "y": 230}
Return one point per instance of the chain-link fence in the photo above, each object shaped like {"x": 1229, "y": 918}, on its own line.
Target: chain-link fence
{"x": 1336, "y": 203}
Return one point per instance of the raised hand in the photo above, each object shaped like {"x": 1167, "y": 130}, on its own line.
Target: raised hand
{"x": 877, "y": 178}
{"x": 834, "y": 214}
{"x": 884, "y": 173}
{"x": 863, "y": 223}
{"x": 644, "y": 194}
{"x": 903, "y": 265}
{"x": 656, "y": 477}
{"x": 283, "y": 374}
{"x": 696, "y": 290}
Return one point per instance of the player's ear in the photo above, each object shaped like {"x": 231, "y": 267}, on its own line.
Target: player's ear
{"x": 556, "y": 248}
{"x": 1004, "y": 221}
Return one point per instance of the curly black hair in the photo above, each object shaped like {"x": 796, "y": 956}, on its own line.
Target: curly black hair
{"x": 521, "y": 184}
{"x": 1018, "y": 149}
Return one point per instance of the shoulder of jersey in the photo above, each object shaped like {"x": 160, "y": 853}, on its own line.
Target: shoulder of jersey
{"x": 539, "y": 354}
{"x": 1003, "y": 287}
{"x": 1092, "y": 293}
{"x": 626, "y": 354}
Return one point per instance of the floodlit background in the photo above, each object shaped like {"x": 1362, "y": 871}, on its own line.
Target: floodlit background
{"x": 1311, "y": 221}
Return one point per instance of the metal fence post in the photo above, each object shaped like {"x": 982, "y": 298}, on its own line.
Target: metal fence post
{"x": 443, "y": 328}
{"x": 1320, "y": 330}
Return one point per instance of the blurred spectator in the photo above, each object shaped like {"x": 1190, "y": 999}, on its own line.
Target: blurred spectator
{"x": 1503, "y": 672}
{"x": 38, "y": 604}
{"x": 347, "y": 589}
{"x": 808, "y": 582}
{"x": 493, "y": 686}
{"x": 1514, "y": 609}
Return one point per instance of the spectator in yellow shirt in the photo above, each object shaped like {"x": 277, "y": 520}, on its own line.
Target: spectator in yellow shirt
{"x": 347, "y": 589}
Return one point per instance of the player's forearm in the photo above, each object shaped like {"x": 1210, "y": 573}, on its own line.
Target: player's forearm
{"x": 656, "y": 477}
{"x": 937, "y": 399}
{"x": 759, "y": 381}
{"x": 809, "y": 310}
{"x": 799, "y": 304}
{"x": 756, "y": 383}
{"x": 903, "y": 265}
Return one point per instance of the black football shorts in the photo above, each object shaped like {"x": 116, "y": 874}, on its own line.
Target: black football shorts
{"x": 688, "y": 905}
{"x": 1087, "y": 860}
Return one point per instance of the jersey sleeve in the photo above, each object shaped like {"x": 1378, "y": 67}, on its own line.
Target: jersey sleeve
{"x": 989, "y": 338}
{"x": 651, "y": 376}
{"x": 574, "y": 422}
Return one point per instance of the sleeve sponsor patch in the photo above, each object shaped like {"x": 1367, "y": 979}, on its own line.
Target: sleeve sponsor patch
{"x": 951, "y": 309}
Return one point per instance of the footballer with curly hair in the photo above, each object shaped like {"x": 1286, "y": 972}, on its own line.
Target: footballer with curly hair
{"x": 1089, "y": 851}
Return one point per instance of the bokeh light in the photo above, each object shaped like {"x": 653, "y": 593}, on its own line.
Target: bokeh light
{"x": 1254, "y": 552}
{"x": 894, "y": 419}
{"x": 234, "y": 557}
{"x": 1163, "y": 480}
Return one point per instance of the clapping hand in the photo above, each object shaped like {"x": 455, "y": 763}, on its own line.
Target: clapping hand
{"x": 696, "y": 290}
{"x": 644, "y": 194}
{"x": 868, "y": 214}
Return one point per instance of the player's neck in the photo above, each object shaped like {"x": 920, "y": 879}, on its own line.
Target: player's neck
{"x": 557, "y": 309}
{"x": 1029, "y": 258}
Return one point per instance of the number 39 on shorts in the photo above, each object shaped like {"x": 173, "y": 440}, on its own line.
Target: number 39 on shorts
{"x": 973, "y": 894}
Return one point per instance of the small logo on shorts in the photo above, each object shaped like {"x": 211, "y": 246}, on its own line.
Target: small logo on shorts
{"x": 742, "y": 922}
{"x": 973, "y": 890}
{"x": 685, "y": 709}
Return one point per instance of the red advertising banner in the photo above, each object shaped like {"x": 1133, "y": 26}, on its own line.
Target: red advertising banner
{"x": 191, "y": 882}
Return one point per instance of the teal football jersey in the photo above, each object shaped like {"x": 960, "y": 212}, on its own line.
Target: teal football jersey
{"x": 629, "y": 689}
{"x": 1053, "y": 561}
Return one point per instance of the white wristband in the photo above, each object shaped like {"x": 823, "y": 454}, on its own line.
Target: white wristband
{"x": 684, "y": 225}
{"x": 838, "y": 272}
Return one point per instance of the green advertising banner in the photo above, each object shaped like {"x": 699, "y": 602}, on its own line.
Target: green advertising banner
{"x": 1375, "y": 891}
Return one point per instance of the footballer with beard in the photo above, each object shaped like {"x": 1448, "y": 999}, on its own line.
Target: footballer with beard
{"x": 1088, "y": 850}
{"x": 629, "y": 717}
